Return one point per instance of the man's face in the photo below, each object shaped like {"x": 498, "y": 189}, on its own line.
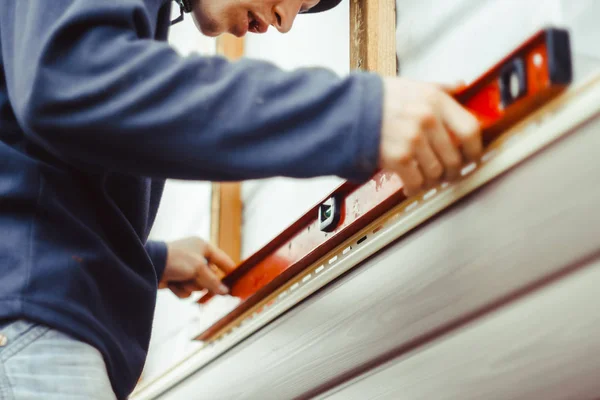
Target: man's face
{"x": 214, "y": 17}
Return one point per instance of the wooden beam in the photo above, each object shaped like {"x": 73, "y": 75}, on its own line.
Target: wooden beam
{"x": 230, "y": 46}
{"x": 226, "y": 198}
{"x": 227, "y": 211}
{"x": 373, "y": 36}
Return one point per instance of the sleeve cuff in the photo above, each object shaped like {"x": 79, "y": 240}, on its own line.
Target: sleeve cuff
{"x": 368, "y": 129}
{"x": 158, "y": 254}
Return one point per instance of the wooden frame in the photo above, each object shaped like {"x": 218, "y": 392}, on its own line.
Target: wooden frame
{"x": 226, "y": 198}
{"x": 373, "y": 36}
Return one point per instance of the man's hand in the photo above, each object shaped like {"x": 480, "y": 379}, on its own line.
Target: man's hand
{"x": 193, "y": 265}
{"x": 416, "y": 142}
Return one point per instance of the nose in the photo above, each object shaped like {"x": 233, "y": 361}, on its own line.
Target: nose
{"x": 284, "y": 16}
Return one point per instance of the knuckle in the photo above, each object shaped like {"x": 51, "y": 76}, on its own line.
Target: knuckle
{"x": 474, "y": 131}
{"x": 471, "y": 131}
{"x": 436, "y": 170}
{"x": 426, "y": 118}
{"x": 409, "y": 189}
{"x": 453, "y": 162}
{"x": 414, "y": 182}
{"x": 201, "y": 261}
{"x": 414, "y": 139}
{"x": 203, "y": 274}
{"x": 414, "y": 136}
{"x": 401, "y": 157}
{"x": 470, "y": 128}
{"x": 404, "y": 157}
{"x": 419, "y": 182}
{"x": 433, "y": 96}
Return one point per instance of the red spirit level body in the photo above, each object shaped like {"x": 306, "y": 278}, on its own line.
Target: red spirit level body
{"x": 530, "y": 76}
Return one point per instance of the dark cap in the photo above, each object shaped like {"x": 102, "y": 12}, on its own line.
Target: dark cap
{"x": 323, "y": 5}
{"x": 186, "y": 7}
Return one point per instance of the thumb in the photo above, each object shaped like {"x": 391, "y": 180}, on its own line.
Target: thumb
{"x": 452, "y": 88}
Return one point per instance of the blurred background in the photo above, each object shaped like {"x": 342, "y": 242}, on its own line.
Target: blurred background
{"x": 437, "y": 40}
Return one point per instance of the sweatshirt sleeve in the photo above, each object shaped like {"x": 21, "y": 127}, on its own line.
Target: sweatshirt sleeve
{"x": 157, "y": 250}
{"x": 90, "y": 85}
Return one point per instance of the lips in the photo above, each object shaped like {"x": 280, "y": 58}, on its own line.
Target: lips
{"x": 256, "y": 24}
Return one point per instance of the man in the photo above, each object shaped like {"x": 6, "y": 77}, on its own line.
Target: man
{"x": 96, "y": 110}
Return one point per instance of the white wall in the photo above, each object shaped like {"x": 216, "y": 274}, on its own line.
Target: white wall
{"x": 448, "y": 41}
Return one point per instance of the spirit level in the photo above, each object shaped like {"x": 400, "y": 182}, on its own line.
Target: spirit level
{"x": 527, "y": 78}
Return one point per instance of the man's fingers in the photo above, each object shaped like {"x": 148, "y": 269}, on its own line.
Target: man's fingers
{"x": 207, "y": 279}
{"x": 446, "y": 150}
{"x": 420, "y": 119}
{"x": 430, "y": 167}
{"x": 411, "y": 176}
{"x": 451, "y": 87}
{"x": 472, "y": 147}
{"x": 217, "y": 271}
{"x": 179, "y": 291}
{"x": 191, "y": 286}
{"x": 464, "y": 126}
{"x": 219, "y": 258}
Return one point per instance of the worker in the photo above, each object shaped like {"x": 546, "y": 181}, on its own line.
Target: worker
{"x": 97, "y": 111}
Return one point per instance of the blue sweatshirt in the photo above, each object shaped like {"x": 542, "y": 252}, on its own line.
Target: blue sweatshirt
{"x": 96, "y": 111}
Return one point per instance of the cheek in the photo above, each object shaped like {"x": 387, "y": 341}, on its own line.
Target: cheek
{"x": 206, "y": 19}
